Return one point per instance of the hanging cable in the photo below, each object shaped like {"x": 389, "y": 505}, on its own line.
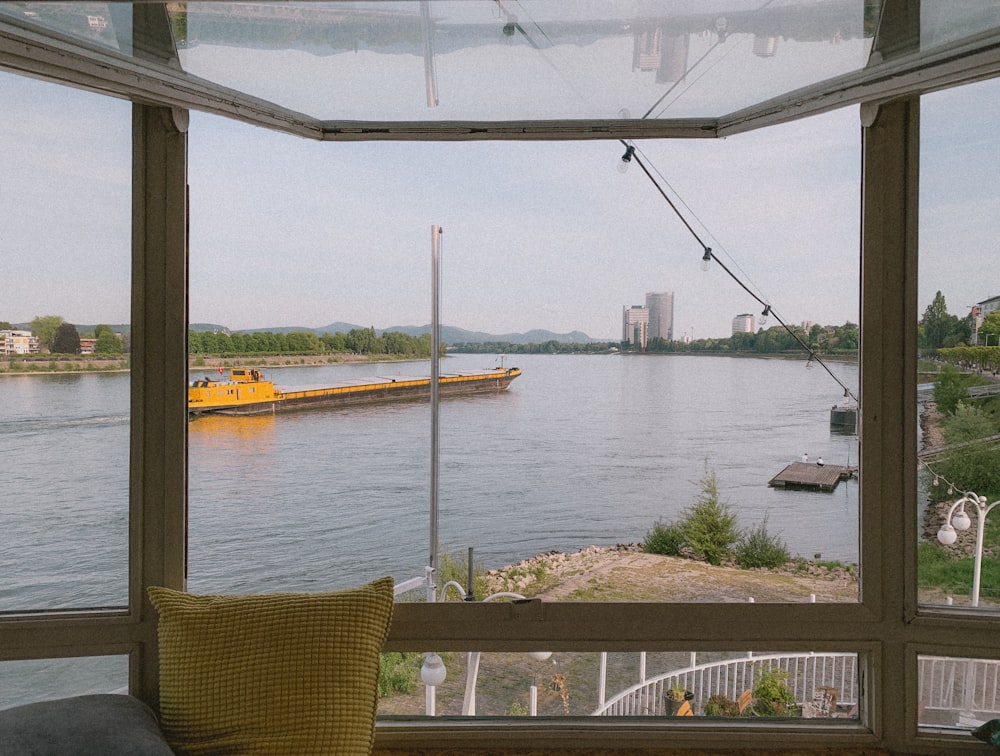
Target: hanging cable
{"x": 708, "y": 256}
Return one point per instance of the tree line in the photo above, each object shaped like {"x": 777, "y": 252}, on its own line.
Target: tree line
{"x": 356, "y": 341}
{"x": 60, "y": 337}
{"x": 826, "y": 339}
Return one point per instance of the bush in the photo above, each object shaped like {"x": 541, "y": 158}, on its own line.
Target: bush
{"x": 772, "y": 698}
{"x": 665, "y": 538}
{"x": 968, "y": 423}
{"x": 972, "y": 468}
{"x": 950, "y": 388}
{"x": 719, "y": 705}
{"x": 758, "y": 548}
{"x": 709, "y": 526}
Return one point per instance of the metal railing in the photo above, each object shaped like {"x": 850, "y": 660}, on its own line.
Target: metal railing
{"x": 732, "y": 677}
{"x": 970, "y": 686}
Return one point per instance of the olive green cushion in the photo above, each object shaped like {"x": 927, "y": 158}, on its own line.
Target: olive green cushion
{"x": 281, "y": 673}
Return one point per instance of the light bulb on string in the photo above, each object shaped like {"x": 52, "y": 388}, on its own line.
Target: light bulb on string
{"x": 626, "y": 160}
{"x": 810, "y": 363}
{"x": 763, "y": 316}
{"x": 706, "y": 259}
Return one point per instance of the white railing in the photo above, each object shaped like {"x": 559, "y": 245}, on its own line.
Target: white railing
{"x": 732, "y": 677}
{"x": 970, "y": 686}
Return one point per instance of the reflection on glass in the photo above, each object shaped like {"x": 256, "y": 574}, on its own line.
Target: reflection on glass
{"x": 31, "y": 680}
{"x": 959, "y": 355}
{"x": 946, "y": 21}
{"x": 957, "y": 692}
{"x": 541, "y": 60}
{"x": 64, "y": 418}
{"x": 621, "y": 684}
{"x": 96, "y": 23}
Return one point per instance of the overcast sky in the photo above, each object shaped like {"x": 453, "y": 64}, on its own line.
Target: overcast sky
{"x": 286, "y": 231}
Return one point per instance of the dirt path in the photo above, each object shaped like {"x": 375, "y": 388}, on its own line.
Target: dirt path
{"x": 624, "y": 573}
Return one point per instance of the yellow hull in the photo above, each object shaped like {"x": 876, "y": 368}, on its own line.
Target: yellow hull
{"x": 247, "y": 393}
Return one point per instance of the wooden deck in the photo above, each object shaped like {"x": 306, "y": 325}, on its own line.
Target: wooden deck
{"x": 812, "y": 476}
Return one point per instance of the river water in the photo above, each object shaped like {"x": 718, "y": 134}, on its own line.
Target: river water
{"x": 581, "y": 450}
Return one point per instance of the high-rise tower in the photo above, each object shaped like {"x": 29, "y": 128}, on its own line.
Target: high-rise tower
{"x": 661, "y": 314}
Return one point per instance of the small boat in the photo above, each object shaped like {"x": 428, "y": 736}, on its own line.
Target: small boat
{"x": 247, "y": 392}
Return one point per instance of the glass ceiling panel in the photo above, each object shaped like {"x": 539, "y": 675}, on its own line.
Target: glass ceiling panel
{"x": 513, "y": 60}
{"x": 502, "y": 60}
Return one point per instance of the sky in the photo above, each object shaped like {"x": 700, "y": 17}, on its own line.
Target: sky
{"x": 290, "y": 232}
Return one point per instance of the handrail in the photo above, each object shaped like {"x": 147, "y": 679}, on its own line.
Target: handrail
{"x": 731, "y": 677}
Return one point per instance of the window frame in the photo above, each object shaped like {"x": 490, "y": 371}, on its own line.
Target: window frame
{"x": 887, "y": 627}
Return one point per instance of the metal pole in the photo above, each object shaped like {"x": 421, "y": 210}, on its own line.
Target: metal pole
{"x": 980, "y": 527}
{"x": 436, "y": 232}
{"x": 470, "y": 593}
{"x": 471, "y": 678}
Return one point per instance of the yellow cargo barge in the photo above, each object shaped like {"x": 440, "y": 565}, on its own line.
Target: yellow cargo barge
{"x": 248, "y": 393}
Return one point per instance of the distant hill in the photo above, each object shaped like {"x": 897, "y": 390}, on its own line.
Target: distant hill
{"x": 449, "y": 334}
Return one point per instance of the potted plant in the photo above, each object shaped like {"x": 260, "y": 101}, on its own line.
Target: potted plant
{"x": 678, "y": 701}
{"x": 772, "y": 698}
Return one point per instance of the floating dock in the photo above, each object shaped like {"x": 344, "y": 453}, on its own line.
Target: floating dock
{"x": 812, "y": 476}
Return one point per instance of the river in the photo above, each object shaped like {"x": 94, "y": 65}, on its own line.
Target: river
{"x": 581, "y": 450}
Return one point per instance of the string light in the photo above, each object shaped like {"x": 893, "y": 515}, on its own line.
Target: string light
{"x": 764, "y": 314}
{"x": 626, "y": 158}
{"x": 707, "y": 258}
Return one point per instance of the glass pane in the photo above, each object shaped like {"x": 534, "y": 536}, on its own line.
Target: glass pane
{"x": 591, "y": 445}
{"x": 943, "y": 21}
{"x": 703, "y": 684}
{"x": 531, "y": 60}
{"x": 957, "y": 692}
{"x": 64, "y": 418}
{"x": 959, "y": 355}
{"x": 32, "y": 680}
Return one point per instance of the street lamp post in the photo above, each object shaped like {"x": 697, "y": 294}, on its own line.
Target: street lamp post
{"x": 959, "y": 520}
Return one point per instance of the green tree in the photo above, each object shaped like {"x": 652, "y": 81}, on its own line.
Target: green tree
{"x": 709, "y": 525}
{"x": 991, "y": 327}
{"x": 949, "y": 389}
{"x": 107, "y": 342}
{"x": 6, "y": 326}
{"x": 99, "y": 329}
{"x": 361, "y": 340}
{"x": 66, "y": 339}
{"x": 940, "y": 329}
{"x": 44, "y": 328}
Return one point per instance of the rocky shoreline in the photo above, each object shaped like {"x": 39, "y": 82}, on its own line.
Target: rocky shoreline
{"x": 626, "y": 573}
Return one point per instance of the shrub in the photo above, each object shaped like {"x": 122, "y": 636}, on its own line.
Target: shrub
{"x": 949, "y": 389}
{"x": 719, "y": 705}
{"x": 709, "y": 526}
{"x": 758, "y": 548}
{"x": 968, "y": 423}
{"x": 973, "y": 468}
{"x": 772, "y": 698}
{"x": 666, "y": 538}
